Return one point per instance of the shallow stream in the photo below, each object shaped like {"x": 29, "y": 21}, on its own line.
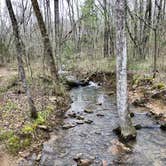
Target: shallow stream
{"x": 91, "y": 135}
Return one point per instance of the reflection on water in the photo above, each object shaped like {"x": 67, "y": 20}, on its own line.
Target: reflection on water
{"x": 96, "y": 139}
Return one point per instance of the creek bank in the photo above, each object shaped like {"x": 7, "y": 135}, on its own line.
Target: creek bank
{"x": 21, "y": 136}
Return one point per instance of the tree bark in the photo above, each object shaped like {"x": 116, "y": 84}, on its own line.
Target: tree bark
{"x": 56, "y": 28}
{"x": 20, "y": 53}
{"x": 106, "y": 29}
{"x": 46, "y": 41}
{"x": 127, "y": 130}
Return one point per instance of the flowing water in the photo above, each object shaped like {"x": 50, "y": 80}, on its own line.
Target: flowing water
{"x": 97, "y": 141}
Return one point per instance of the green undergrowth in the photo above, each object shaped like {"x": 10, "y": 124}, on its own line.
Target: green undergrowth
{"x": 20, "y": 140}
{"x": 139, "y": 80}
{"x": 159, "y": 86}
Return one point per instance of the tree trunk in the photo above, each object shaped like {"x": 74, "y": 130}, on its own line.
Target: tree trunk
{"x": 127, "y": 130}
{"x": 20, "y": 53}
{"x": 106, "y": 29}
{"x": 46, "y": 41}
{"x": 56, "y": 27}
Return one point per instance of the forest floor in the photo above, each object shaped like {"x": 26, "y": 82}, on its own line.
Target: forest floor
{"x": 19, "y": 134}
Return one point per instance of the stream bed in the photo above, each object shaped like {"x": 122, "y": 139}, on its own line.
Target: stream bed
{"x": 87, "y": 132}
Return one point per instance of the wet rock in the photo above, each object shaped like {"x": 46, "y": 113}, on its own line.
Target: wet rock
{"x": 138, "y": 127}
{"x": 80, "y": 117}
{"x": 163, "y": 126}
{"x": 98, "y": 132}
{"x": 99, "y": 114}
{"x": 68, "y": 126}
{"x": 72, "y": 82}
{"x": 80, "y": 122}
{"x": 83, "y": 161}
{"x": 38, "y": 157}
{"x": 117, "y": 131}
{"x": 43, "y": 127}
{"x": 89, "y": 111}
{"x": 132, "y": 114}
{"x": 72, "y": 114}
{"x": 99, "y": 103}
{"x": 118, "y": 147}
{"x": 88, "y": 121}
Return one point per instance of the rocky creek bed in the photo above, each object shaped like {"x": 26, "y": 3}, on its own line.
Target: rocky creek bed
{"x": 86, "y": 136}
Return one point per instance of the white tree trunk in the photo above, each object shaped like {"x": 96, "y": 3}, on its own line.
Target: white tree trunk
{"x": 127, "y": 130}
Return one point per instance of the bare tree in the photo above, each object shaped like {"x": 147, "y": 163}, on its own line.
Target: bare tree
{"x": 127, "y": 130}
{"x": 20, "y": 53}
{"x": 46, "y": 41}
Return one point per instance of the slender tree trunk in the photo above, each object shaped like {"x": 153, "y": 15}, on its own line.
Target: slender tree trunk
{"x": 56, "y": 27}
{"x": 20, "y": 53}
{"x": 106, "y": 30}
{"x": 46, "y": 41}
{"x": 127, "y": 130}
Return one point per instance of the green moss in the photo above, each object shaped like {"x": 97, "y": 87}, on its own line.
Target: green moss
{"x": 13, "y": 144}
{"x": 28, "y": 128}
{"x": 40, "y": 120}
{"x": 136, "y": 79}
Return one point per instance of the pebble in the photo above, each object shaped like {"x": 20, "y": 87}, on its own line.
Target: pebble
{"x": 88, "y": 121}
{"x": 99, "y": 114}
{"x": 88, "y": 111}
{"x": 68, "y": 126}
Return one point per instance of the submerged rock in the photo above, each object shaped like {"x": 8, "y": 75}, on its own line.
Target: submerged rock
{"x": 99, "y": 114}
{"x": 80, "y": 117}
{"x": 88, "y": 121}
{"x": 118, "y": 147}
{"x": 83, "y": 161}
{"x": 88, "y": 111}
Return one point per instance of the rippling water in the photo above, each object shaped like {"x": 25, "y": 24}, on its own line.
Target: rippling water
{"x": 97, "y": 139}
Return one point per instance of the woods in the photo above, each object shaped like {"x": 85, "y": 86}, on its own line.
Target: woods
{"x": 89, "y": 74}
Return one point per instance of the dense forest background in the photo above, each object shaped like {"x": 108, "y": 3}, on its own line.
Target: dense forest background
{"x": 86, "y": 30}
